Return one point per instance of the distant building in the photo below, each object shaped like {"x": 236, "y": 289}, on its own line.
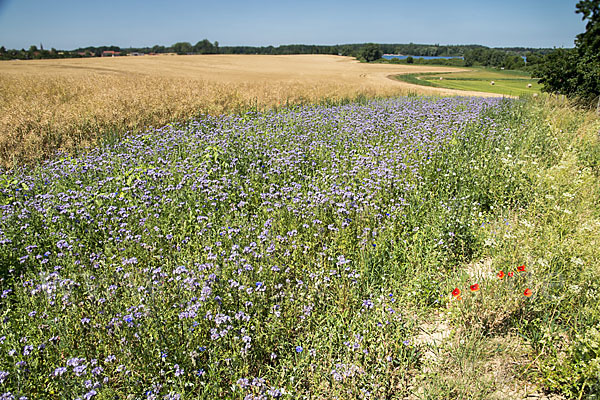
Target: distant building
{"x": 110, "y": 53}
{"x": 135, "y": 53}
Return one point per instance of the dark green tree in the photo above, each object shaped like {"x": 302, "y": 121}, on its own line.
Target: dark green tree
{"x": 576, "y": 72}
{"x": 204, "y": 47}
{"x": 410, "y": 60}
{"x": 590, "y": 39}
{"x": 371, "y": 52}
{"x": 182, "y": 48}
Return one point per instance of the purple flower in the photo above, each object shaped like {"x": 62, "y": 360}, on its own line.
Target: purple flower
{"x": 178, "y": 371}
{"x": 79, "y": 370}
{"x": 299, "y": 349}
{"x": 97, "y": 370}
{"x": 89, "y": 394}
{"x": 73, "y": 362}
{"x": 110, "y": 359}
{"x": 27, "y": 350}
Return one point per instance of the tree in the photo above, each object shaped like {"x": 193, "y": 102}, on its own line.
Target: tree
{"x": 347, "y": 51}
{"x": 371, "y": 52}
{"x": 590, "y": 39}
{"x": 204, "y": 47}
{"x": 158, "y": 49}
{"x": 182, "y": 48}
{"x": 576, "y": 72}
{"x": 410, "y": 60}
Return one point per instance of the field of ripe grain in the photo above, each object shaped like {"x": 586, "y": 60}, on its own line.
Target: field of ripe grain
{"x": 50, "y": 105}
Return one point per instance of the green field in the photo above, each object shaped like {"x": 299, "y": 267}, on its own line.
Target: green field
{"x": 512, "y": 83}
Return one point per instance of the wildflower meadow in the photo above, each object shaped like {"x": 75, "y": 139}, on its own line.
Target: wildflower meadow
{"x": 290, "y": 254}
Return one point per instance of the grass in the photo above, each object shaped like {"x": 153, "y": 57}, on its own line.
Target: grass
{"x": 511, "y": 83}
{"x": 311, "y": 252}
{"x": 551, "y": 338}
{"x": 72, "y": 104}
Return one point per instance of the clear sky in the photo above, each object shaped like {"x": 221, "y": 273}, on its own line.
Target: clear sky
{"x": 68, "y": 24}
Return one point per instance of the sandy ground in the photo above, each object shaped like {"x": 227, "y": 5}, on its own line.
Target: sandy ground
{"x": 242, "y": 69}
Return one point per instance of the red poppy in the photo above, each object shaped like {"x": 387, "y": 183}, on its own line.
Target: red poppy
{"x": 528, "y": 292}
{"x": 510, "y": 274}
{"x": 456, "y": 292}
{"x": 521, "y": 268}
{"x": 474, "y": 287}
{"x": 500, "y": 274}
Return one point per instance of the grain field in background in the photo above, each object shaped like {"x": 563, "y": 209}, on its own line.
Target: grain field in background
{"x": 50, "y": 105}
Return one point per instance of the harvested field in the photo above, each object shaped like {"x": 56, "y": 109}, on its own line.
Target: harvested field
{"x": 50, "y": 105}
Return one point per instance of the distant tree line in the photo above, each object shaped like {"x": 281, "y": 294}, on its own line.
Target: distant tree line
{"x": 31, "y": 54}
{"x": 494, "y": 58}
{"x": 476, "y": 54}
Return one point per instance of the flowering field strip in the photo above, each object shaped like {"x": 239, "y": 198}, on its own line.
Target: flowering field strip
{"x": 245, "y": 256}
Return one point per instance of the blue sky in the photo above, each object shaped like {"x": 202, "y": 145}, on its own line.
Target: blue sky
{"x": 68, "y": 24}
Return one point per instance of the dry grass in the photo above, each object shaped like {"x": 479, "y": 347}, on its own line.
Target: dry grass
{"x": 50, "y": 105}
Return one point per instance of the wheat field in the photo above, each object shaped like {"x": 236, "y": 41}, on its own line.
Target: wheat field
{"x": 70, "y": 104}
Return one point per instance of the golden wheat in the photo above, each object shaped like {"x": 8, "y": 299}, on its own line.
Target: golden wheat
{"x": 50, "y": 105}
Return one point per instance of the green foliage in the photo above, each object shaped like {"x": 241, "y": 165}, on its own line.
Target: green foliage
{"x": 554, "y": 233}
{"x": 590, "y": 39}
{"x": 576, "y": 72}
{"x": 371, "y": 52}
{"x": 494, "y": 58}
{"x": 410, "y": 60}
{"x": 206, "y": 47}
{"x": 182, "y": 48}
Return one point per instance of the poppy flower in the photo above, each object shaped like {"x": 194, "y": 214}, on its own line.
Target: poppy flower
{"x": 510, "y": 274}
{"x": 474, "y": 287}
{"x": 456, "y": 292}
{"x": 528, "y": 292}
{"x": 500, "y": 274}
{"x": 521, "y": 268}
